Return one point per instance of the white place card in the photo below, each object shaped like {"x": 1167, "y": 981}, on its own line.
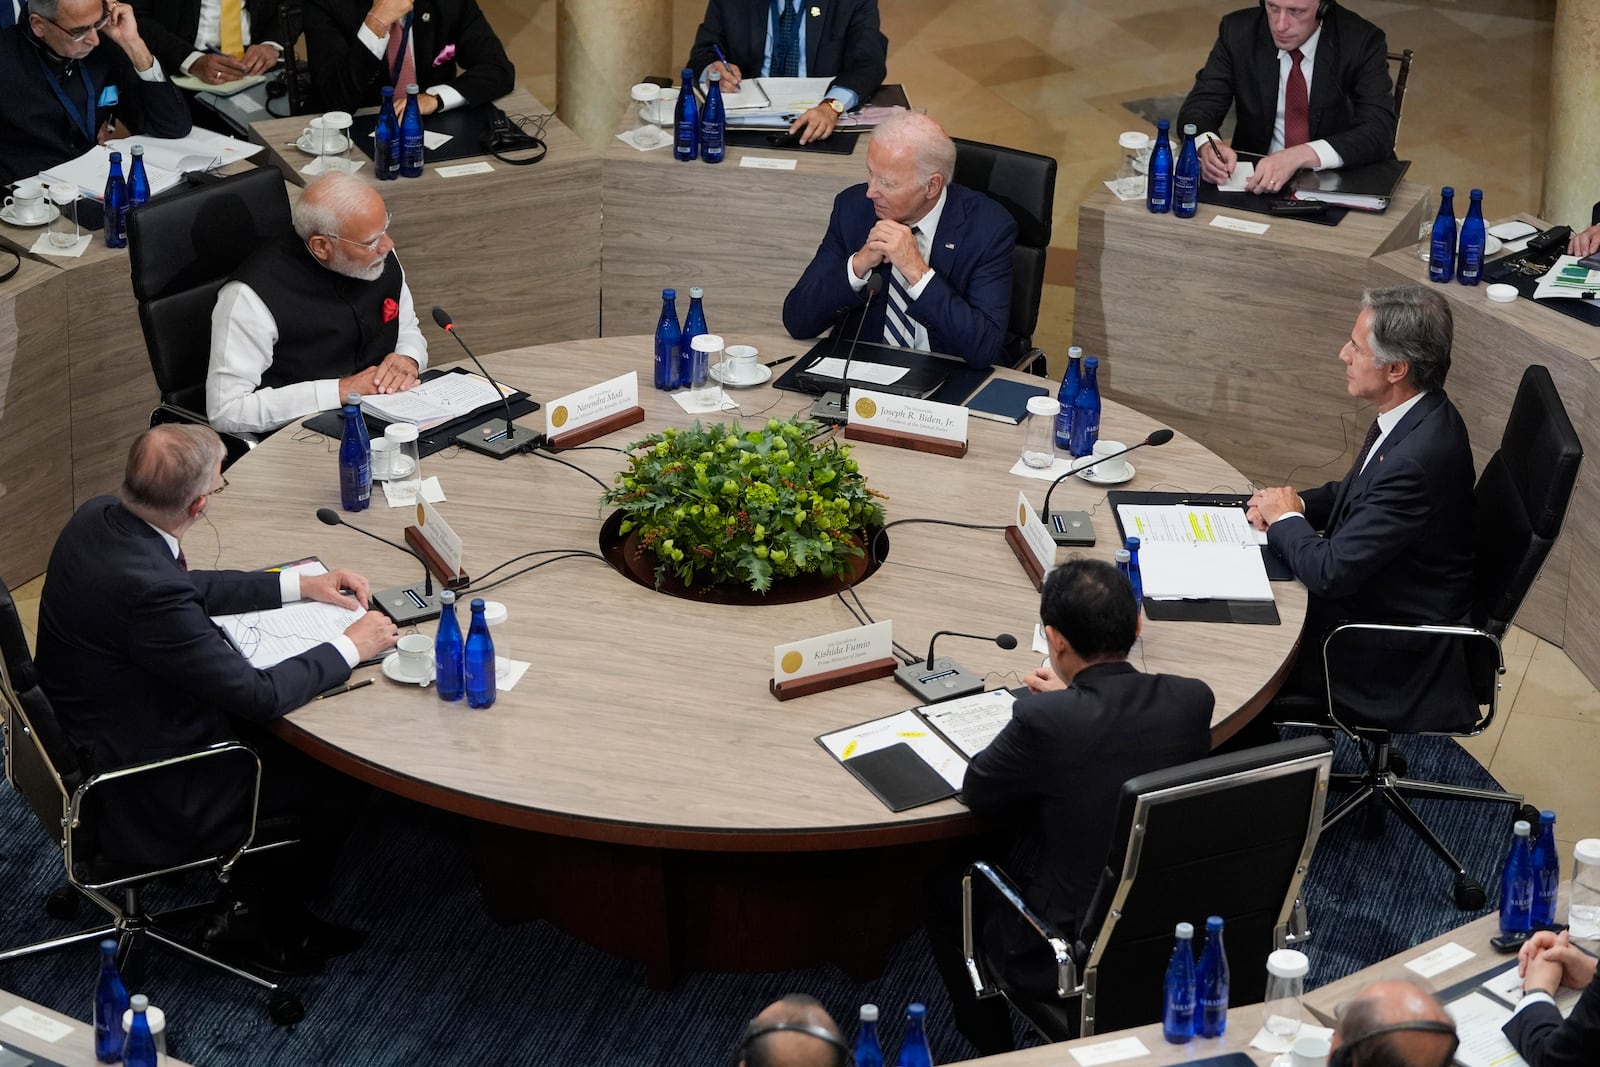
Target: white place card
{"x": 830, "y": 652}
{"x": 1440, "y": 959}
{"x": 924, "y": 418}
{"x": 1223, "y": 222}
{"x": 461, "y": 170}
{"x": 1267, "y": 1041}
{"x": 1122, "y": 1048}
{"x": 1035, "y": 533}
{"x": 567, "y": 413}
{"x": 31, "y": 1022}
{"x": 438, "y": 533}
{"x": 766, "y": 163}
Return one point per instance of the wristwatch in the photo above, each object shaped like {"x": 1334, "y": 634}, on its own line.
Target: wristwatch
{"x": 836, "y": 104}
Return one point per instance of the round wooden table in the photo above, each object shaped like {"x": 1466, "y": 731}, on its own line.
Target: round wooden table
{"x": 640, "y": 786}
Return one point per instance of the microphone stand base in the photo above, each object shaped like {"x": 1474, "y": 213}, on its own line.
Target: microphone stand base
{"x": 945, "y": 681}
{"x": 491, "y": 439}
{"x": 407, "y": 605}
{"x": 830, "y": 410}
{"x": 1071, "y": 528}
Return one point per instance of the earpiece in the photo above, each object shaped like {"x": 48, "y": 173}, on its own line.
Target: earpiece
{"x": 1323, "y": 9}
{"x": 1344, "y": 1055}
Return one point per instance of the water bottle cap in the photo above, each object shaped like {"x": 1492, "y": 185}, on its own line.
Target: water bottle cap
{"x": 1163, "y": 125}
{"x": 1091, "y": 361}
{"x": 869, "y": 1013}
{"x": 1132, "y": 544}
{"x": 139, "y": 1002}
{"x": 669, "y": 294}
{"x": 477, "y": 605}
{"x": 716, "y": 75}
{"x": 1287, "y": 963}
{"x": 154, "y": 1018}
{"x": 447, "y": 596}
{"x": 917, "y": 1011}
{"x": 1476, "y": 194}
{"x": 387, "y": 91}
{"x": 353, "y": 398}
{"x": 1521, "y": 828}
{"x": 1213, "y": 923}
{"x": 1185, "y": 931}
{"x": 1124, "y": 556}
{"x": 688, "y": 72}
{"x": 108, "y": 945}
{"x": 1448, "y": 190}
{"x": 1043, "y": 405}
{"x": 413, "y": 88}
{"x": 1189, "y": 129}
{"x": 1546, "y": 816}
{"x": 116, "y": 157}
{"x": 138, "y": 150}
{"x": 1587, "y": 851}
{"x": 1074, "y": 352}
{"x": 695, "y": 292}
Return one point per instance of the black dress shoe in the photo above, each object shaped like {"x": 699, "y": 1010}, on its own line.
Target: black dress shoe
{"x": 235, "y": 934}
{"x": 318, "y": 936}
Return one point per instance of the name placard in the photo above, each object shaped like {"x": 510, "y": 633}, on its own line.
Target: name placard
{"x": 1031, "y": 541}
{"x": 924, "y": 418}
{"x": 830, "y": 652}
{"x": 594, "y": 404}
{"x": 439, "y": 536}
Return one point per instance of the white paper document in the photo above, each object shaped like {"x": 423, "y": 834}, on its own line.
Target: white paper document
{"x": 436, "y": 401}
{"x": 1507, "y": 985}
{"x": 971, "y": 722}
{"x": 165, "y": 160}
{"x": 1184, "y": 523}
{"x": 773, "y": 98}
{"x": 1113, "y": 1051}
{"x": 1203, "y": 571}
{"x": 860, "y": 370}
{"x": 1242, "y": 171}
{"x": 1440, "y": 959}
{"x": 267, "y": 638}
{"x": 904, "y": 727}
{"x": 1478, "y": 1022}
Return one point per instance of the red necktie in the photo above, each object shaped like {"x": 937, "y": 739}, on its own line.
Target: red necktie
{"x": 183, "y": 563}
{"x": 1296, "y": 104}
{"x": 407, "y": 74}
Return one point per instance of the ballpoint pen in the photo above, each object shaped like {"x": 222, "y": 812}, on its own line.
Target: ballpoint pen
{"x": 344, "y": 689}
{"x": 779, "y": 362}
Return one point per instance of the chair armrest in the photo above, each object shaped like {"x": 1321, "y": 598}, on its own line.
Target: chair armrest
{"x": 1066, "y": 966}
{"x": 1459, "y": 633}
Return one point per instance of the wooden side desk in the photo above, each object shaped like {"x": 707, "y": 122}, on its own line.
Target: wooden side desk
{"x": 640, "y": 786}
{"x": 744, "y": 234}
{"x": 70, "y": 1042}
{"x": 1232, "y": 337}
{"x": 513, "y": 254}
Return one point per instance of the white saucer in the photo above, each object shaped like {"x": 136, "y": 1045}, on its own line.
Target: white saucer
{"x": 305, "y": 143}
{"x": 1492, "y": 244}
{"x": 391, "y": 671}
{"x": 1095, "y": 479}
{"x": 763, "y": 375}
{"x": 9, "y": 218}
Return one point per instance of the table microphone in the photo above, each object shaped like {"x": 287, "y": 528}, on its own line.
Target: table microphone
{"x": 405, "y": 604}
{"x": 944, "y": 678}
{"x": 488, "y": 438}
{"x": 832, "y": 409}
{"x": 1072, "y": 527}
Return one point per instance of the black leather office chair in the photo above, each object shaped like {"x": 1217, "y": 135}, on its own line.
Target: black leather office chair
{"x": 1401, "y": 75}
{"x": 182, "y": 247}
{"x": 296, "y": 85}
{"x": 71, "y": 807}
{"x": 1228, "y": 835}
{"x": 1025, "y": 184}
{"x": 1519, "y": 504}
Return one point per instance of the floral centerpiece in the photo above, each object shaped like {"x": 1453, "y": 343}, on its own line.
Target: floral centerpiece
{"x": 720, "y": 504}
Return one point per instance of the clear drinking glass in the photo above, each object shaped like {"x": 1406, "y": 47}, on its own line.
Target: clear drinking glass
{"x": 1039, "y": 432}
{"x": 64, "y": 232}
{"x": 1282, "y": 1011}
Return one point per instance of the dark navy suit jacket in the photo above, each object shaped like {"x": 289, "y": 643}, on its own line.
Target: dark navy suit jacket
{"x": 1396, "y": 546}
{"x": 169, "y": 27}
{"x": 965, "y": 307}
{"x": 843, "y": 41}
{"x": 1542, "y": 1038}
{"x": 1352, "y": 98}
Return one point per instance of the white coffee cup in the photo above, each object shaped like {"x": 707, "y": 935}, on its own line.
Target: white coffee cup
{"x": 1309, "y": 1050}
{"x": 1111, "y": 470}
{"x": 416, "y": 656}
{"x": 27, "y": 202}
{"x": 739, "y": 363}
{"x": 325, "y": 135}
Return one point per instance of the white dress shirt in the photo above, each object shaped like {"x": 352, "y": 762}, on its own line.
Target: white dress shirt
{"x": 449, "y": 99}
{"x": 243, "y": 336}
{"x": 1327, "y": 158}
{"x": 927, "y": 227}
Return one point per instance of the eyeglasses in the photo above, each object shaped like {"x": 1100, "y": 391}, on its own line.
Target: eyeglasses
{"x": 78, "y": 34}
{"x": 219, "y": 488}
{"x": 370, "y": 246}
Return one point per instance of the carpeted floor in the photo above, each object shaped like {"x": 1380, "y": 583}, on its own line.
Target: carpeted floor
{"x": 440, "y": 983}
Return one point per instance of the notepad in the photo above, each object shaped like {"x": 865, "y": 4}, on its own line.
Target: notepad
{"x": 1203, "y": 571}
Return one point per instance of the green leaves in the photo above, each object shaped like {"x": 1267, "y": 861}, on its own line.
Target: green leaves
{"x": 722, "y": 504}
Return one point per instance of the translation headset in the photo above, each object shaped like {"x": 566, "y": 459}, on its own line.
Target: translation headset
{"x": 1344, "y": 1055}
{"x": 503, "y": 136}
{"x": 842, "y": 1057}
{"x": 1324, "y": 7}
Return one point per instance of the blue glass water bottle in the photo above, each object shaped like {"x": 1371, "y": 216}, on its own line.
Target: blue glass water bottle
{"x": 1516, "y": 884}
{"x": 1546, "y": 860}
{"x": 686, "y": 121}
{"x": 355, "y": 457}
{"x": 868, "y": 1052}
{"x": 1134, "y": 577}
{"x": 449, "y": 662}
{"x": 1070, "y": 383}
{"x": 1158, "y": 188}
{"x": 110, "y": 1001}
{"x": 1177, "y": 1006}
{"x": 669, "y": 370}
{"x": 1186, "y": 177}
{"x": 1469, "y": 260}
{"x": 116, "y": 205}
{"x": 714, "y": 123}
{"x": 1086, "y": 410}
{"x": 1442, "y": 245}
{"x": 386, "y": 140}
{"x": 411, "y": 135}
{"x": 138, "y": 180}
{"x": 1211, "y": 983}
{"x": 914, "y": 1051}
{"x": 140, "y": 1048}
{"x": 694, "y": 324}
{"x": 479, "y": 659}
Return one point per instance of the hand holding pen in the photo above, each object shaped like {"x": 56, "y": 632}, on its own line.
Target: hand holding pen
{"x": 1216, "y": 160}
{"x": 730, "y": 73}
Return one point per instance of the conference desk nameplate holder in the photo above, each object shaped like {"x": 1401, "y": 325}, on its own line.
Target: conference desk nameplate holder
{"x": 906, "y": 422}
{"x": 593, "y": 411}
{"x": 865, "y": 653}
{"x": 813, "y": 684}
{"x": 589, "y": 431}
{"x": 435, "y": 562}
{"x": 1031, "y": 542}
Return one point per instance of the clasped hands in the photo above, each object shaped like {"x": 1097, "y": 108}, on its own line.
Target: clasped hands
{"x": 1548, "y": 961}
{"x": 216, "y": 67}
{"x": 395, "y": 374}
{"x": 1266, "y": 506}
{"x": 890, "y": 242}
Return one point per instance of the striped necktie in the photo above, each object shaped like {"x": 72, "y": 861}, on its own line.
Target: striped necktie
{"x": 898, "y": 329}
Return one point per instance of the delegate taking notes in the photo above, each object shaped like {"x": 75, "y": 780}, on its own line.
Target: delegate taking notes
{"x": 267, "y": 638}
{"x": 1190, "y": 552}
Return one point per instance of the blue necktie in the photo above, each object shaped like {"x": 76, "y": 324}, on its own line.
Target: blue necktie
{"x": 786, "y": 58}
{"x": 898, "y": 329}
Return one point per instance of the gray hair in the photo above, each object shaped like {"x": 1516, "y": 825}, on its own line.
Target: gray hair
{"x": 327, "y": 202}
{"x": 169, "y": 468}
{"x": 932, "y": 151}
{"x": 1411, "y": 324}
{"x": 45, "y": 9}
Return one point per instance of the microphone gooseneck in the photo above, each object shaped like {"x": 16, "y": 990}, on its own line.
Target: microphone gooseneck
{"x": 442, "y": 319}
{"x": 1005, "y": 641}
{"x": 1156, "y": 439}
{"x": 850, "y": 353}
{"x": 330, "y": 517}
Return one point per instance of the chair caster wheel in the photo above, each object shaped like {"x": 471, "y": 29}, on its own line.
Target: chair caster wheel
{"x": 1397, "y": 763}
{"x": 1469, "y": 894}
{"x": 285, "y": 1008}
{"x": 62, "y": 903}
